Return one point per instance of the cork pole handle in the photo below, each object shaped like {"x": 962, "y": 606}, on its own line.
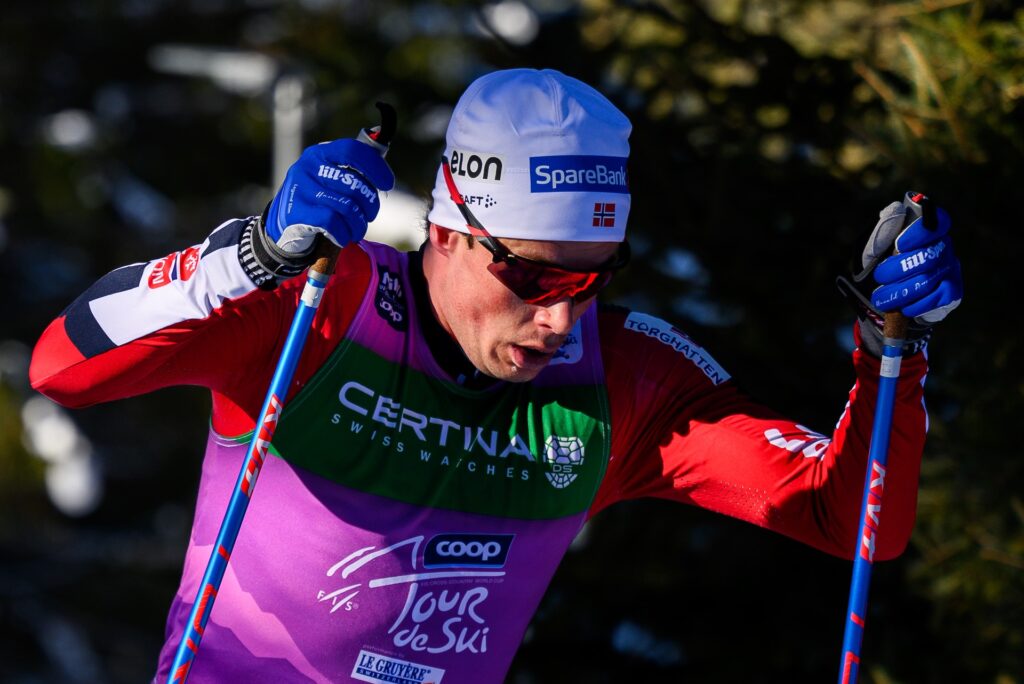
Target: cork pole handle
{"x": 325, "y": 254}
{"x": 895, "y": 326}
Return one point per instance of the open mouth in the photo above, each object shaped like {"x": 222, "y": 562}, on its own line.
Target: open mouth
{"x": 524, "y": 357}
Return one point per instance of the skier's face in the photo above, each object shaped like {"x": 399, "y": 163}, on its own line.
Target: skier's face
{"x": 502, "y": 335}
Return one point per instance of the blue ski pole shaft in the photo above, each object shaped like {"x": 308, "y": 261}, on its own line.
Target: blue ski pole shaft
{"x": 894, "y": 331}
{"x": 871, "y": 503}
{"x": 317, "y": 277}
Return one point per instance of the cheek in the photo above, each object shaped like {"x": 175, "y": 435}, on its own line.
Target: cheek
{"x": 487, "y": 309}
{"x": 467, "y": 297}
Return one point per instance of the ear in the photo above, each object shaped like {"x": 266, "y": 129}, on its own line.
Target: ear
{"x": 443, "y": 239}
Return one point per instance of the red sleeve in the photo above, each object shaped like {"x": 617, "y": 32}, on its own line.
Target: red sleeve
{"x": 678, "y": 435}
{"x": 232, "y": 350}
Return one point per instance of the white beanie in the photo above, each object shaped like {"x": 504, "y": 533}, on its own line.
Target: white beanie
{"x": 537, "y": 155}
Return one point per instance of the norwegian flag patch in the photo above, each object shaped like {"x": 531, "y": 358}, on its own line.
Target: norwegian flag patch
{"x": 604, "y": 214}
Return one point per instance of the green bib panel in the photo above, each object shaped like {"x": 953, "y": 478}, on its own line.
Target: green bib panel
{"x": 520, "y": 451}
{"x": 380, "y": 417}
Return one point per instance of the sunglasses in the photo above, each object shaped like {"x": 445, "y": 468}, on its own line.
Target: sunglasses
{"x": 535, "y": 282}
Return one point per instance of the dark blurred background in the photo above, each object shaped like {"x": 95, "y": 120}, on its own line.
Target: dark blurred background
{"x": 767, "y": 136}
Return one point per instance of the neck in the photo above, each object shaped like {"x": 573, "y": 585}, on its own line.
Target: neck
{"x": 433, "y": 275}
{"x": 428, "y": 282}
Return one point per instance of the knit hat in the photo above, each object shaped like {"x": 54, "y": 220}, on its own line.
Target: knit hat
{"x": 537, "y": 155}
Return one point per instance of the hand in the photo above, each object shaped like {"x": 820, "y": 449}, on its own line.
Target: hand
{"x": 923, "y": 280}
{"x": 331, "y": 189}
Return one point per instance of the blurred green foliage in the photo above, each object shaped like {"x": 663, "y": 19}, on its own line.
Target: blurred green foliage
{"x": 914, "y": 94}
{"x": 767, "y": 136}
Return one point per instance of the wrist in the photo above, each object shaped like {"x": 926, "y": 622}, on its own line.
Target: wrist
{"x": 868, "y": 334}
{"x": 869, "y": 338}
{"x": 264, "y": 262}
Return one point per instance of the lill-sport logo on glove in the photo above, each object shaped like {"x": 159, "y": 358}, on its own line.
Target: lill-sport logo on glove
{"x": 922, "y": 257}
{"x": 332, "y": 191}
{"x": 350, "y": 180}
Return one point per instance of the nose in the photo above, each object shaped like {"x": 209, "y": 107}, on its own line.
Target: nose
{"x": 557, "y": 316}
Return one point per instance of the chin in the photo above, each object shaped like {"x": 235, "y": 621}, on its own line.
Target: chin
{"x": 509, "y": 372}
{"x": 516, "y": 374}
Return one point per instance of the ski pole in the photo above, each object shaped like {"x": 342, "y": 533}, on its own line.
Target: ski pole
{"x": 894, "y": 331}
{"x": 316, "y": 280}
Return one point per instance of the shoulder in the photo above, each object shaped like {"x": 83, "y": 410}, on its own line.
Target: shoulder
{"x": 356, "y": 261}
{"x": 352, "y": 273}
{"x": 641, "y": 346}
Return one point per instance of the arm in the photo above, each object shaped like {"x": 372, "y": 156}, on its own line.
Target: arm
{"x": 136, "y": 329}
{"x": 678, "y": 435}
{"x": 213, "y": 314}
{"x": 192, "y": 318}
{"x": 681, "y": 430}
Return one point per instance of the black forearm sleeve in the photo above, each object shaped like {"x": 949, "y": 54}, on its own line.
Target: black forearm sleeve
{"x": 262, "y": 260}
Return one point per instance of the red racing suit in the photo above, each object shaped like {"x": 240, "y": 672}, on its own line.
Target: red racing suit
{"x": 679, "y": 427}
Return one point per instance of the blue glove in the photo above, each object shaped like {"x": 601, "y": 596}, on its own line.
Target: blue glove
{"x": 923, "y": 280}
{"x": 332, "y": 189}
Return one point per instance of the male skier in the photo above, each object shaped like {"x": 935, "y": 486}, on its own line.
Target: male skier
{"x": 458, "y": 413}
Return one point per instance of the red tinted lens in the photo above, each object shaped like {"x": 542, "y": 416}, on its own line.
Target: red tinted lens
{"x": 596, "y": 284}
{"x": 541, "y": 285}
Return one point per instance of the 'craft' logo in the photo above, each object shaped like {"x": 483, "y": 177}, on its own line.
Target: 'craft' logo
{"x": 485, "y": 201}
